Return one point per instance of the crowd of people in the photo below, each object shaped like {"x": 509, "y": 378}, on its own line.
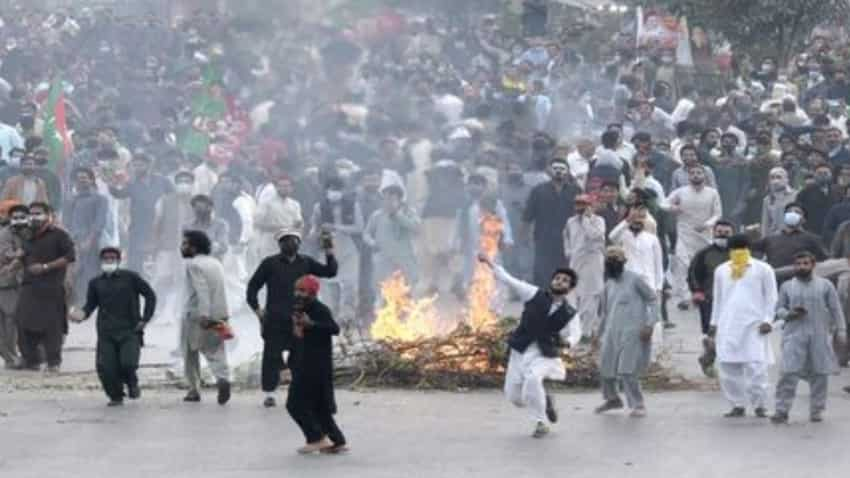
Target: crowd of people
{"x": 250, "y": 142}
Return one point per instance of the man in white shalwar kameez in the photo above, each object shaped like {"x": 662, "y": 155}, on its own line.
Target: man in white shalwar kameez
{"x": 697, "y": 208}
{"x": 745, "y": 299}
{"x": 535, "y": 343}
{"x": 584, "y": 242}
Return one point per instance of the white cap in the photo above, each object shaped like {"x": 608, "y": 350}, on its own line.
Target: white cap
{"x": 287, "y": 231}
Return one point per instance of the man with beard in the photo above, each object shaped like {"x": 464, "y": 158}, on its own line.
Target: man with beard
{"x": 12, "y": 237}
{"x": 733, "y": 176}
{"x": 205, "y": 312}
{"x": 697, "y": 207}
{"x": 144, "y": 191}
{"x": 85, "y": 218}
{"x": 810, "y": 308}
{"x": 115, "y": 295}
{"x": 630, "y": 310}
{"x": 311, "y": 401}
{"x": 41, "y": 310}
{"x": 548, "y": 207}
{"x": 535, "y": 343}
{"x": 819, "y": 197}
{"x": 744, "y": 305}
{"x": 278, "y": 274}
{"x": 25, "y": 187}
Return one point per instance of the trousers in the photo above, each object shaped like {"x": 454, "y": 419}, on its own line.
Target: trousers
{"x": 310, "y": 411}
{"x": 29, "y": 342}
{"x": 117, "y": 359}
{"x": 786, "y": 390}
{"x": 631, "y": 387}
{"x": 8, "y": 326}
{"x": 588, "y": 313}
{"x": 524, "y": 380}
{"x": 704, "y": 308}
{"x": 272, "y": 364}
{"x": 216, "y": 359}
{"x": 744, "y": 383}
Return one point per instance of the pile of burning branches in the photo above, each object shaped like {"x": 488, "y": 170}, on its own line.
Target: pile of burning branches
{"x": 410, "y": 346}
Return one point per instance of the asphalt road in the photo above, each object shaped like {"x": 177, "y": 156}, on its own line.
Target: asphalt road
{"x": 410, "y": 434}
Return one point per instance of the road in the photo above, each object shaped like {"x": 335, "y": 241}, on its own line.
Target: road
{"x": 56, "y": 427}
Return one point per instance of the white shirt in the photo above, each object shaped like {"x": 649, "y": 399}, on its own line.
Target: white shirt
{"x": 643, "y": 254}
{"x": 740, "y": 306}
{"x": 205, "y": 180}
{"x": 579, "y": 167}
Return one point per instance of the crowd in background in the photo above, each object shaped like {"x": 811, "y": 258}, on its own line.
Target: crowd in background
{"x": 399, "y": 147}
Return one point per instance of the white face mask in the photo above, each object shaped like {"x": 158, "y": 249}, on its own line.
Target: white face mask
{"x": 334, "y": 196}
{"x": 109, "y": 267}
{"x": 721, "y": 242}
{"x": 183, "y": 188}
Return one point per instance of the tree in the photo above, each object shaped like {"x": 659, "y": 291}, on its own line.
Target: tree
{"x": 778, "y": 27}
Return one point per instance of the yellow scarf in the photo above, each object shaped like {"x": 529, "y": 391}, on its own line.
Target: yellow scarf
{"x": 739, "y": 258}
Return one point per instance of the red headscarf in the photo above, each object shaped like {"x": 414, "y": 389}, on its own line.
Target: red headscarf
{"x": 308, "y": 284}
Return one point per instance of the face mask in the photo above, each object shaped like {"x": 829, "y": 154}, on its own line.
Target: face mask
{"x": 777, "y": 186}
{"x": 636, "y": 227}
{"x": 334, "y": 196}
{"x": 793, "y": 219}
{"x": 289, "y": 247}
{"x": 183, "y": 189}
{"x": 109, "y": 268}
{"x": 823, "y": 180}
{"x": 38, "y": 220}
{"x": 721, "y": 242}
{"x": 739, "y": 256}
{"x": 614, "y": 268}
{"x": 18, "y": 223}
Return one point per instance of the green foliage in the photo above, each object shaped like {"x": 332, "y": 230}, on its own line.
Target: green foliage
{"x": 758, "y": 26}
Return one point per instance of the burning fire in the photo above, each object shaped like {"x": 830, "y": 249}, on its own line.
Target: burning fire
{"x": 401, "y": 319}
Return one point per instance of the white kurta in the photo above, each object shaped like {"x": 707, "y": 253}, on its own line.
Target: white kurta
{"x": 527, "y": 370}
{"x": 273, "y": 214}
{"x": 584, "y": 241}
{"x": 740, "y": 306}
{"x": 643, "y": 254}
{"x": 697, "y": 209}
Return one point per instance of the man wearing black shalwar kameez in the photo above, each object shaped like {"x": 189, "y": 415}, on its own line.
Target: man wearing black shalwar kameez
{"x": 311, "y": 401}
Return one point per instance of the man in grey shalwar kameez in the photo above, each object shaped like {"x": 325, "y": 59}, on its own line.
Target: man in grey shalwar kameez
{"x": 630, "y": 311}
{"x": 812, "y": 313}
{"x": 204, "y": 312}
{"x": 85, "y": 218}
{"x": 390, "y": 234}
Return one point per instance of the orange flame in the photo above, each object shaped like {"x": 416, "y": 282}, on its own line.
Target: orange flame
{"x": 480, "y": 295}
{"x": 403, "y": 319}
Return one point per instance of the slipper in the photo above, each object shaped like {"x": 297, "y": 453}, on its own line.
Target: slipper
{"x": 335, "y": 450}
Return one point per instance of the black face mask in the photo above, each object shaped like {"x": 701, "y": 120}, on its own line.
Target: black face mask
{"x": 289, "y": 247}
{"x": 636, "y": 227}
{"x": 614, "y": 268}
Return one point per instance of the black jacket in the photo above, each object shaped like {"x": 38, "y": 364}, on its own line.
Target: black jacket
{"x": 701, "y": 270}
{"x": 537, "y": 325}
{"x": 116, "y": 298}
{"x": 278, "y": 276}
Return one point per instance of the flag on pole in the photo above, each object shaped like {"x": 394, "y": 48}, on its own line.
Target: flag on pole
{"x": 56, "y": 134}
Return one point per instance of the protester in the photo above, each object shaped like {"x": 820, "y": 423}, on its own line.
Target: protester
{"x": 12, "y": 236}
{"x": 115, "y": 294}
{"x": 744, "y": 303}
{"x": 810, "y": 309}
{"x": 205, "y": 315}
{"x": 278, "y": 274}
{"x": 41, "y": 310}
{"x": 535, "y": 343}
{"x": 629, "y": 315}
{"x": 311, "y": 401}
